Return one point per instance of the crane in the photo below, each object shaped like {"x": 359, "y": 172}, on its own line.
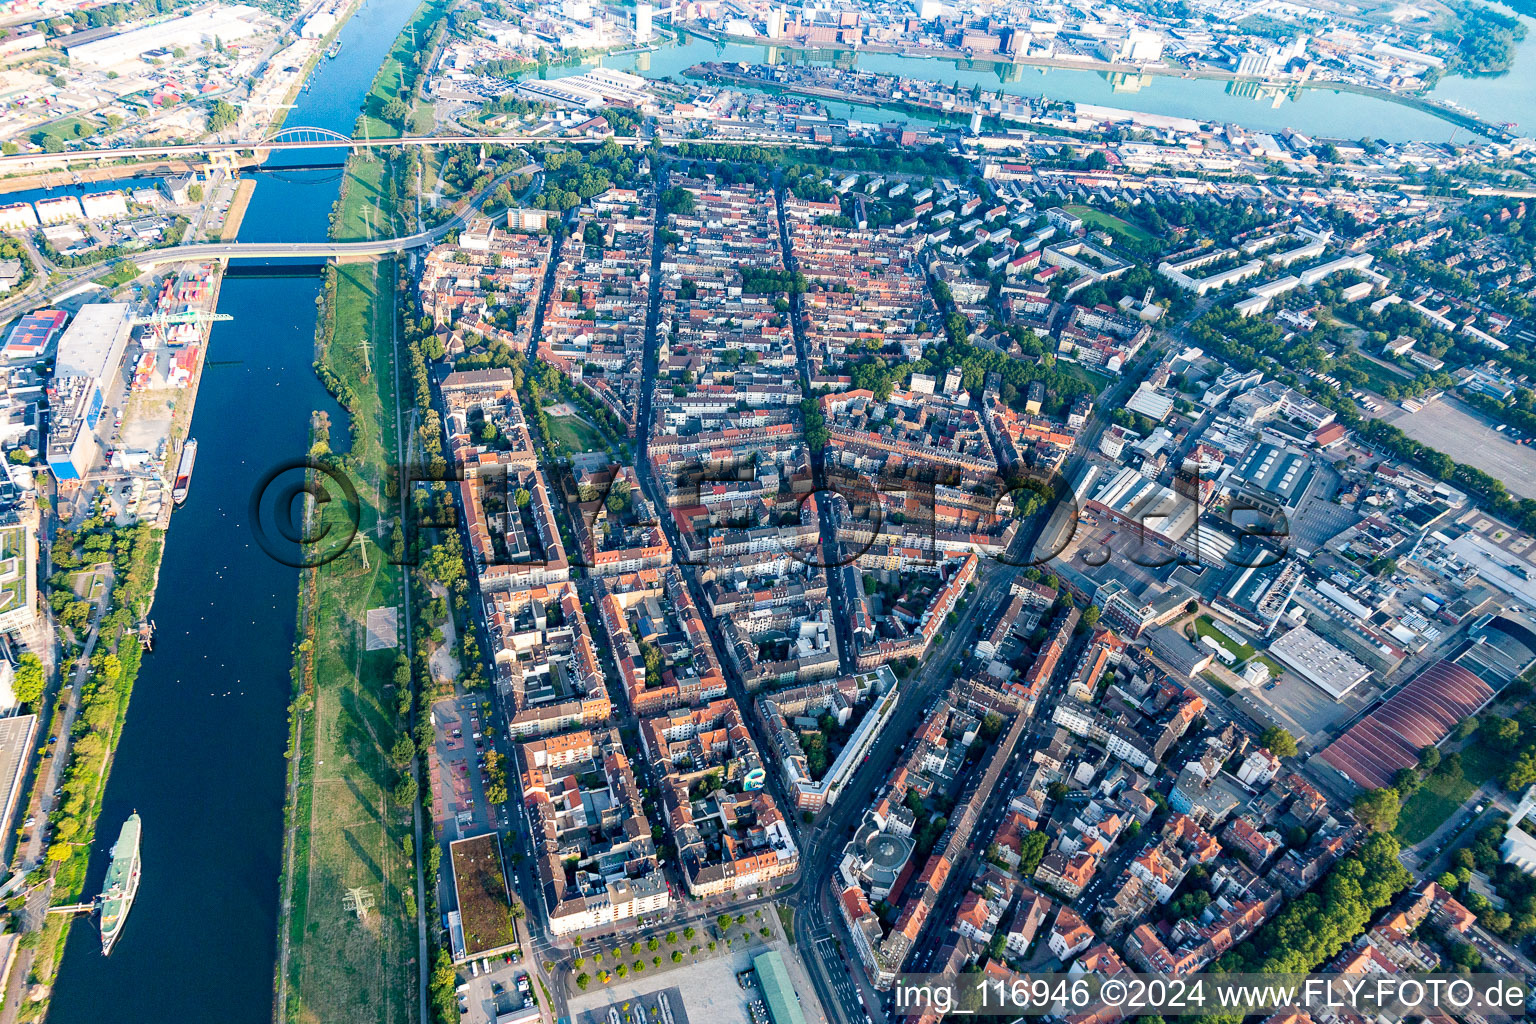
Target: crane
{"x": 160, "y": 318}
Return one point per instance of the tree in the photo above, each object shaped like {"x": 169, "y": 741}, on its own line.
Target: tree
{"x": 582, "y": 981}
{"x": 402, "y": 752}
{"x": 1466, "y": 956}
{"x": 1429, "y": 757}
{"x": 1278, "y": 741}
{"x": 221, "y": 115}
{"x": 444, "y": 985}
{"x": 1377, "y": 809}
{"x": 1522, "y": 774}
{"x": 28, "y": 683}
{"x": 395, "y": 111}
{"x": 1449, "y": 767}
{"x": 1091, "y": 616}
{"x": 1031, "y": 850}
{"x": 405, "y": 791}
{"x": 1502, "y": 734}
{"x": 521, "y": 497}
{"x": 677, "y": 200}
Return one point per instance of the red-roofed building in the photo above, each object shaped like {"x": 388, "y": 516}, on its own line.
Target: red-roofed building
{"x": 1421, "y": 714}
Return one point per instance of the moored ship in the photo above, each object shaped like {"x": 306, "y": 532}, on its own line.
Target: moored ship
{"x": 122, "y": 883}
{"x": 184, "y": 471}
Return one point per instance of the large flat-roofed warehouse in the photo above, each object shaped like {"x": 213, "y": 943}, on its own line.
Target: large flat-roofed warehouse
{"x": 1275, "y": 478}
{"x": 16, "y": 735}
{"x": 599, "y": 87}
{"x": 1319, "y": 662}
{"x": 90, "y": 352}
{"x": 198, "y": 29}
{"x": 93, "y": 345}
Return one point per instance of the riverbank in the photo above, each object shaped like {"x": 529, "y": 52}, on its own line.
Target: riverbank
{"x": 114, "y": 660}
{"x": 352, "y": 795}
{"x": 113, "y": 666}
{"x": 1451, "y": 115}
{"x": 237, "y": 207}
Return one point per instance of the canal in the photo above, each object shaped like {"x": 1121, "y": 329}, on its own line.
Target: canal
{"x": 1317, "y": 111}
{"x": 201, "y": 757}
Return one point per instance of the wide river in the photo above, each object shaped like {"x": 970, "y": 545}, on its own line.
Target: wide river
{"x": 201, "y": 758}
{"x": 1312, "y": 111}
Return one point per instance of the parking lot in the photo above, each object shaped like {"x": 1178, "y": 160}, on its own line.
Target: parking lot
{"x": 644, "y": 1009}
{"x": 486, "y": 995}
{"x": 459, "y": 807}
{"x": 706, "y": 992}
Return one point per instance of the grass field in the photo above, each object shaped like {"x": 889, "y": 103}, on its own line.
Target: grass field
{"x": 1438, "y": 798}
{"x": 1205, "y": 627}
{"x": 67, "y": 130}
{"x": 787, "y": 919}
{"x": 1376, "y": 375}
{"x": 350, "y": 834}
{"x": 1098, "y": 380}
{"x": 362, "y": 215}
{"x": 575, "y": 434}
{"x": 1109, "y": 222}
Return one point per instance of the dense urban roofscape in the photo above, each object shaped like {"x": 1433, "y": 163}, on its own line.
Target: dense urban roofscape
{"x": 784, "y": 502}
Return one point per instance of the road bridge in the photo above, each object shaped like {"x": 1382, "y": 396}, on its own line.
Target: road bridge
{"x": 289, "y": 250}
{"x": 311, "y": 139}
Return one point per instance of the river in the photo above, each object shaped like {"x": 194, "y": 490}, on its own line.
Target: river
{"x": 201, "y": 758}
{"x": 1318, "y": 111}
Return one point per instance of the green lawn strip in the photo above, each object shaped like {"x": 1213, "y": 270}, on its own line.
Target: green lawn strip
{"x": 1211, "y": 678}
{"x": 352, "y": 835}
{"x": 346, "y": 970}
{"x": 67, "y": 130}
{"x": 1439, "y": 797}
{"x": 391, "y": 81}
{"x": 1275, "y": 668}
{"x": 361, "y": 217}
{"x": 1377, "y": 376}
